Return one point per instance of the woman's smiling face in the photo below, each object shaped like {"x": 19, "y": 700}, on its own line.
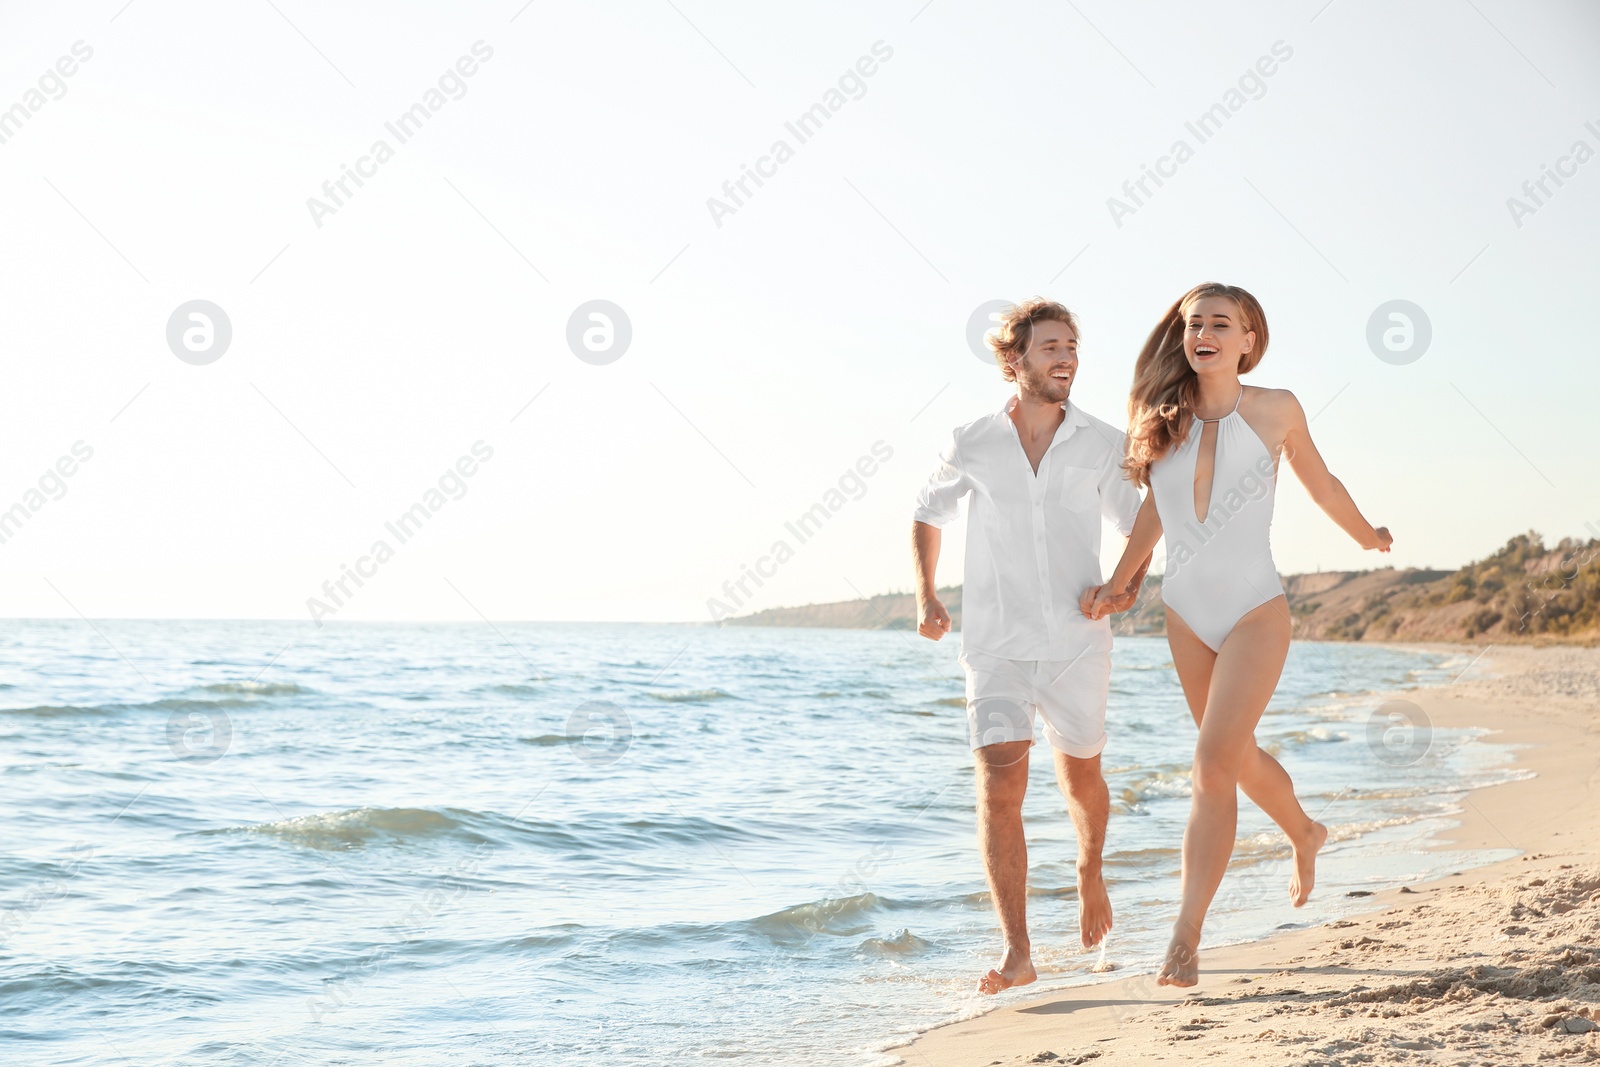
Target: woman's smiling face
{"x": 1214, "y": 335}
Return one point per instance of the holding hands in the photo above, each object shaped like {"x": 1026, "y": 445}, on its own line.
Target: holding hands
{"x": 1097, "y": 601}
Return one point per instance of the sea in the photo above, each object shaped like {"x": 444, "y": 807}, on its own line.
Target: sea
{"x": 261, "y": 843}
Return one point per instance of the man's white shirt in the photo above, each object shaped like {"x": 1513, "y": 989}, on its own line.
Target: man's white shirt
{"x": 1033, "y": 540}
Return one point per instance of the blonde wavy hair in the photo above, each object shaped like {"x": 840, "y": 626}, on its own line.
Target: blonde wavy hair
{"x": 1161, "y": 404}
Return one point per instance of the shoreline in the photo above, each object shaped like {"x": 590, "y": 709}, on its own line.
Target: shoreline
{"x": 1488, "y": 965}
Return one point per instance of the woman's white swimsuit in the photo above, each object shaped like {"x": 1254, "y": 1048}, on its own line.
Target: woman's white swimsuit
{"x": 1221, "y": 567}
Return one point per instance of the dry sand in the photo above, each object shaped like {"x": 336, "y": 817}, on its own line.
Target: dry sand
{"x": 1499, "y": 965}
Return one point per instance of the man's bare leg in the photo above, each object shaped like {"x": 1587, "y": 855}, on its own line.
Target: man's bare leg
{"x": 1002, "y": 780}
{"x": 1089, "y": 802}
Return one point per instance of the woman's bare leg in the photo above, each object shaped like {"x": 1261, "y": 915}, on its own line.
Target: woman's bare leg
{"x": 1262, "y": 778}
{"x": 1243, "y": 677}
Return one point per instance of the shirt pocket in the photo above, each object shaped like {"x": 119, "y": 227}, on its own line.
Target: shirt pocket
{"x": 1079, "y": 489}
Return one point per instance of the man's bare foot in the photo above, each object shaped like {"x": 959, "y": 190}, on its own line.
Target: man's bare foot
{"x": 1182, "y": 967}
{"x": 1305, "y": 864}
{"x": 1094, "y": 907}
{"x": 1016, "y": 969}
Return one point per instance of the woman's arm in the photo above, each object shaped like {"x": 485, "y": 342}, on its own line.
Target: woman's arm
{"x": 1100, "y": 600}
{"x": 1327, "y": 491}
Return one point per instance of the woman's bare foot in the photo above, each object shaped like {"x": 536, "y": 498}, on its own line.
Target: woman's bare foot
{"x": 1182, "y": 967}
{"x": 1094, "y": 907}
{"x": 1305, "y": 864}
{"x": 1016, "y": 969}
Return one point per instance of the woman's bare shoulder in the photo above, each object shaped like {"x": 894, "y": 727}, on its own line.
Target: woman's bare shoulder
{"x": 1276, "y": 403}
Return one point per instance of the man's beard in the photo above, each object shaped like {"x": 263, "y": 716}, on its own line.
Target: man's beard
{"x": 1046, "y": 388}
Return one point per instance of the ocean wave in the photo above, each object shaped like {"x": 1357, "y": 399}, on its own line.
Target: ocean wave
{"x": 835, "y": 917}
{"x": 1263, "y": 844}
{"x": 511, "y": 689}
{"x": 56, "y": 711}
{"x": 1315, "y": 735}
{"x": 1386, "y": 793}
{"x": 548, "y": 939}
{"x": 1141, "y": 858}
{"x": 569, "y": 838}
{"x": 950, "y": 702}
{"x": 357, "y": 827}
{"x": 260, "y": 689}
{"x": 1338, "y": 832}
{"x": 1174, "y": 782}
{"x": 692, "y": 829}
{"x": 185, "y": 704}
{"x": 904, "y": 943}
{"x": 693, "y": 696}
{"x": 128, "y": 981}
{"x": 544, "y": 740}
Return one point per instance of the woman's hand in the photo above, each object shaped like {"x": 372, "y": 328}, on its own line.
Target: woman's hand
{"x": 1097, "y": 602}
{"x": 1123, "y": 601}
{"x": 1381, "y": 539}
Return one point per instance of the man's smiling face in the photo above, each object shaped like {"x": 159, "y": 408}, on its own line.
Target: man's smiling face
{"x": 1047, "y": 371}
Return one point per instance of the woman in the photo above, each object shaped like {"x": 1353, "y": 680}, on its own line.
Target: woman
{"x": 1207, "y": 447}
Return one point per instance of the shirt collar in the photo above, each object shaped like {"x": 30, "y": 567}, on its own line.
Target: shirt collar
{"x": 1075, "y": 418}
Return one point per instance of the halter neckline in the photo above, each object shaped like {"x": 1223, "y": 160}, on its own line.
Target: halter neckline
{"x": 1234, "y": 411}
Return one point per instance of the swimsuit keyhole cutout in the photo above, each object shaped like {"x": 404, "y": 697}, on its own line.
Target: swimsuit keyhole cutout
{"x": 1205, "y": 459}
{"x": 1205, "y": 466}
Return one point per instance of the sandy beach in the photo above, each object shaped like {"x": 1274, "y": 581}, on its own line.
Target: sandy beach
{"x": 1498, "y": 965}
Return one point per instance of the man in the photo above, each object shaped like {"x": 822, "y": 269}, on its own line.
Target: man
{"x": 1041, "y": 472}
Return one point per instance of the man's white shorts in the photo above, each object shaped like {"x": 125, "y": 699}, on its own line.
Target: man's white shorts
{"x": 1003, "y": 696}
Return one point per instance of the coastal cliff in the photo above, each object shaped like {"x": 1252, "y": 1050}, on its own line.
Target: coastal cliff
{"x": 1523, "y": 591}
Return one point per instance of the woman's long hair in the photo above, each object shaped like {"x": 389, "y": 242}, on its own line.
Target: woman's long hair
{"x": 1165, "y": 387}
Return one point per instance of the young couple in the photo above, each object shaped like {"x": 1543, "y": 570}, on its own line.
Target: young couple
{"x": 1035, "y": 634}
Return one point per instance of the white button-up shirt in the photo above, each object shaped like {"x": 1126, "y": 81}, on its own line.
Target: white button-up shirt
{"x": 1033, "y": 540}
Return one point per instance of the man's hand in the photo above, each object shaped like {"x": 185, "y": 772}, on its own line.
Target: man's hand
{"x": 933, "y": 621}
{"x": 1097, "y": 601}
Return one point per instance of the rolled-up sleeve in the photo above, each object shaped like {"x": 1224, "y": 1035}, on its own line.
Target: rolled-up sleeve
{"x": 937, "y": 503}
{"x": 1119, "y": 500}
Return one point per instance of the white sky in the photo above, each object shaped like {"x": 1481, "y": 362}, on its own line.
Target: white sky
{"x": 771, "y": 352}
